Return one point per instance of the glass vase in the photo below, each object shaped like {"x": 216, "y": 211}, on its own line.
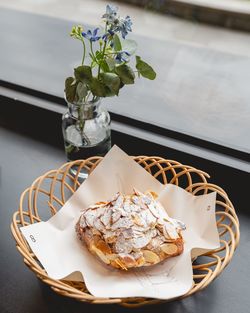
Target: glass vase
{"x": 86, "y": 132}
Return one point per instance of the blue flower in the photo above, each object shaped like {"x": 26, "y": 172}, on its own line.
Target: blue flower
{"x": 122, "y": 56}
{"x": 124, "y": 26}
{"x": 91, "y": 36}
{"x": 111, "y": 12}
{"x": 108, "y": 34}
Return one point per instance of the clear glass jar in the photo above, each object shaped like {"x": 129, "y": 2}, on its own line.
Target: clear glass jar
{"x": 86, "y": 131}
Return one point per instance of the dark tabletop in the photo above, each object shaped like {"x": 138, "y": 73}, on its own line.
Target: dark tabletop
{"x": 22, "y": 159}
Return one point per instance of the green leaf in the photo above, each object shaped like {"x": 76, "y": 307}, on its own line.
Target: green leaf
{"x": 93, "y": 64}
{"x": 97, "y": 87}
{"x": 83, "y": 73}
{"x": 117, "y": 43}
{"x": 111, "y": 63}
{"x": 70, "y": 89}
{"x": 121, "y": 85}
{"x": 81, "y": 91}
{"x": 112, "y": 81}
{"x": 104, "y": 66}
{"x": 137, "y": 59}
{"x": 145, "y": 69}
{"x": 125, "y": 73}
{"x": 129, "y": 46}
{"x": 98, "y": 55}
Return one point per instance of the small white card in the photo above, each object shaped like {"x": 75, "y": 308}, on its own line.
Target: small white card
{"x": 62, "y": 255}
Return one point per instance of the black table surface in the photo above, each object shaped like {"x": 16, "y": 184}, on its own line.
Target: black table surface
{"x": 22, "y": 159}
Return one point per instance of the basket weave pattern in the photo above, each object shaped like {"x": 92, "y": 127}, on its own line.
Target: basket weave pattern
{"x": 49, "y": 192}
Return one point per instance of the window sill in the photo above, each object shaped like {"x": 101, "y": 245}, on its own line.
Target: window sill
{"x": 232, "y": 14}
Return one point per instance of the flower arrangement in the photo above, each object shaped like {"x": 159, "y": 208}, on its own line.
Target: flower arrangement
{"x": 110, "y": 55}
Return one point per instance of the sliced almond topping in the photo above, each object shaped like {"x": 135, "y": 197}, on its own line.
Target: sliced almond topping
{"x": 112, "y": 256}
{"x": 128, "y": 260}
{"x": 135, "y": 200}
{"x": 137, "y": 255}
{"x": 88, "y": 236}
{"x": 169, "y": 248}
{"x": 169, "y": 231}
{"x": 177, "y": 223}
{"x": 137, "y": 192}
{"x": 137, "y": 220}
{"x": 96, "y": 232}
{"x": 90, "y": 217}
{"x": 101, "y": 203}
{"x": 106, "y": 218}
{"x": 134, "y": 208}
{"x": 123, "y": 246}
{"x": 98, "y": 225}
{"x": 153, "y": 210}
{"x": 109, "y": 237}
{"x": 114, "y": 264}
{"x": 101, "y": 245}
{"x": 83, "y": 221}
{"x": 152, "y": 193}
{"x": 140, "y": 242}
{"x": 126, "y": 206}
{"x": 119, "y": 201}
{"x": 123, "y": 222}
{"x": 146, "y": 200}
{"x": 128, "y": 233}
{"x": 100, "y": 254}
{"x": 100, "y": 211}
{"x": 155, "y": 242}
{"x": 150, "y": 257}
{"x": 150, "y": 219}
{"x": 140, "y": 261}
{"x": 115, "y": 197}
{"x": 116, "y": 215}
{"x": 121, "y": 264}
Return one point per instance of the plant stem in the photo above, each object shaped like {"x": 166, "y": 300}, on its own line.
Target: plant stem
{"x": 103, "y": 52}
{"x": 91, "y": 49}
{"x": 80, "y": 113}
{"x": 82, "y": 123}
{"x": 84, "y": 51}
{"x": 87, "y": 97}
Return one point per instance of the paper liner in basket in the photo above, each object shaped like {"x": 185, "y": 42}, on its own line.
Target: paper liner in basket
{"x": 63, "y": 255}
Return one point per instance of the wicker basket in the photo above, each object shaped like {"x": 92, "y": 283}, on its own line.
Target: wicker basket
{"x": 50, "y": 191}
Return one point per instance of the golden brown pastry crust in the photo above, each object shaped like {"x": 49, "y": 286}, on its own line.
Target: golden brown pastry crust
{"x": 130, "y": 231}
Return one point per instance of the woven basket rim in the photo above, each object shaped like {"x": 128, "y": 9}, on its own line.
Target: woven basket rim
{"x": 227, "y": 222}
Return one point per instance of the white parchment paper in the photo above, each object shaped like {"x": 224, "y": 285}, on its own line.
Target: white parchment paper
{"x": 60, "y": 252}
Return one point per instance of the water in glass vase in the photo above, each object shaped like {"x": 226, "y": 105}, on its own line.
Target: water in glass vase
{"x": 83, "y": 152}
{"x": 86, "y": 132}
